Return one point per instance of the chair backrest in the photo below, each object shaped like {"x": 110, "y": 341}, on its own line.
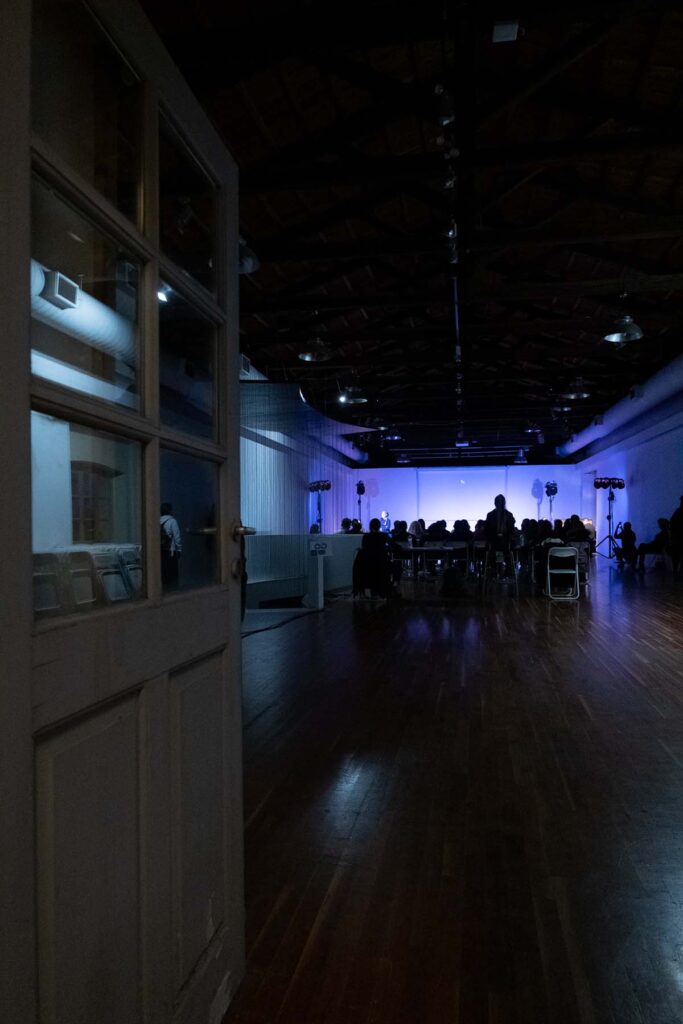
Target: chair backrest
{"x": 563, "y": 554}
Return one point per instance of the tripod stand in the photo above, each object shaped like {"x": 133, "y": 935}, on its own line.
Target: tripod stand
{"x": 612, "y": 545}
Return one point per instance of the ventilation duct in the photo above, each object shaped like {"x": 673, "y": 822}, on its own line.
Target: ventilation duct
{"x": 665, "y": 384}
{"x": 89, "y": 320}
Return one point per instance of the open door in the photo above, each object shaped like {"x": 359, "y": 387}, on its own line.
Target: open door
{"x": 122, "y": 863}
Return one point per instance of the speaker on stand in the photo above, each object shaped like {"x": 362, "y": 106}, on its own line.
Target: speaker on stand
{"x": 360, "y": 491}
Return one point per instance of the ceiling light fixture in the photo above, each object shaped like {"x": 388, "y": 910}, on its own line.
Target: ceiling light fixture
{"x": 318, "y": 352}
{"x": 627, "y": 330}
{"x": 352, "y": 396}
{"x": 576, "y": 391}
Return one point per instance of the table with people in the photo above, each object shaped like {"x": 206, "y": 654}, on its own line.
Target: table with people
{"x": 495, "y": 547}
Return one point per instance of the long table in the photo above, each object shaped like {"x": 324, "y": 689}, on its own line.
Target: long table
{"x": 438, "y": 551}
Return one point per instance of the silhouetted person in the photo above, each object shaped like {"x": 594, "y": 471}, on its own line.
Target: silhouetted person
{"x": 500, "y": 526}
{"x": 626, "y": 549}
{"x": 501, "y": 535}
{"x": 417, "y": 531}
{"x": 400, "y": 531}
{"x": 658, "y": 546}
{"x": 372, "y": 567}
{"x": 676, "y": 537}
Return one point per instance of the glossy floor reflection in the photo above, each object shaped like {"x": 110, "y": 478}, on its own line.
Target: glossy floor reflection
{"x": 468, "y": 812}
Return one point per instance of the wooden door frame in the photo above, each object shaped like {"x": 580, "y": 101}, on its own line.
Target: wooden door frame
{"x": 17, "y": 897}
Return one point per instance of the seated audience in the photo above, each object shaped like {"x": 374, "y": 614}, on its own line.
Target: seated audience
{"x": 574, "y": 531}
{"x": 479, "y": 530}
{"x": 372, "y": 567}
{"x": 417, "y": 532}
{"x": 626, "y": 549}
{"x": 400, "y": 532}
{"x": 356, "y": 526}
{"x": 676, "y": 538}
{"x": 437, "y": 531}
{"x": 345, "y": 525}
{"x": 657, "y": 546}
{"x": 461, "y": 530}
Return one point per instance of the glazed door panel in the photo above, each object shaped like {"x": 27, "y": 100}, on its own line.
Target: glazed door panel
{"x": 134, "y": 690}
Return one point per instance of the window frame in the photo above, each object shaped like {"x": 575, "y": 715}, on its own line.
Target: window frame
{"x": 218, "y": 307}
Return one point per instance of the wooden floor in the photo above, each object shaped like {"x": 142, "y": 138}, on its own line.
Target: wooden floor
{"x": 468, "y": 813}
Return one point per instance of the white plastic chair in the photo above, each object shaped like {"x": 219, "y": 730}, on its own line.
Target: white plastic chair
{"x": 562, "y": 575}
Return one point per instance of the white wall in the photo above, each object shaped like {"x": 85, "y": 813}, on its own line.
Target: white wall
{"x": 651, "y": 463}
{"x": 468, "y": 492}
{"x": 276, "y": 471}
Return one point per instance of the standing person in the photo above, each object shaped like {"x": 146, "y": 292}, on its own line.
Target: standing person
{"x": 676, "y": 537}
{"x": 385, "y": 522}
{"x": 171, "y": 547}
{"x": 500, "y": 533}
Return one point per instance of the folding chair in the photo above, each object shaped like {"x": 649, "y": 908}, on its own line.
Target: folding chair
{"x": 562, "y": 574}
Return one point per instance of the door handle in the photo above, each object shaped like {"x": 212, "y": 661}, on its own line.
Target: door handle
{"x": 242, "y": 531}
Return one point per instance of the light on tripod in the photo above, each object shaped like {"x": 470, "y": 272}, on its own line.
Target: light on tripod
{"x": 551, "y": 489}
{"x": 614, "y": 483}
{"x": 319, "y": 485}
{"x": 609, "y": 484}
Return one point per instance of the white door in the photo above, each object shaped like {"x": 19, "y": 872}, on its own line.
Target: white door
{"x": 121, "y": 844}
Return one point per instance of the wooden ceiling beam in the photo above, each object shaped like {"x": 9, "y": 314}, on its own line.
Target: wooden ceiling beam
{"x": 504, "y": 292}
{"x": 482, "y": 241}
{"x": 309, "y": 174}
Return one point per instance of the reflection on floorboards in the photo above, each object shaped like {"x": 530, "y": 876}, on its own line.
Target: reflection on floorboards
{"x": 469, "y": 812}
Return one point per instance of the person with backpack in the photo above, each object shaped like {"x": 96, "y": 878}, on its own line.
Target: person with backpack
{"x": 171, "y": 547}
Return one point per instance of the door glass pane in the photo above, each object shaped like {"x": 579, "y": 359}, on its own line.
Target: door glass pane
{"x": 86, "y": 517}
{"x": 86, "y": 101}
{"x": 188, "y": 521}
{"x": 187, "y": 346}
{"x": 84, "y": 303}
{"x": 187, "y": 209}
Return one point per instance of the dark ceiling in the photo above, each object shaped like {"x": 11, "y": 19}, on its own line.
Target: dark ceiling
{"x": 365, "y": 132}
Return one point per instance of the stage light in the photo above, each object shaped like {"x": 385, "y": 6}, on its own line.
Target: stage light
{"x": 550, "y": 489}
{"x": 319, "y": 485}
